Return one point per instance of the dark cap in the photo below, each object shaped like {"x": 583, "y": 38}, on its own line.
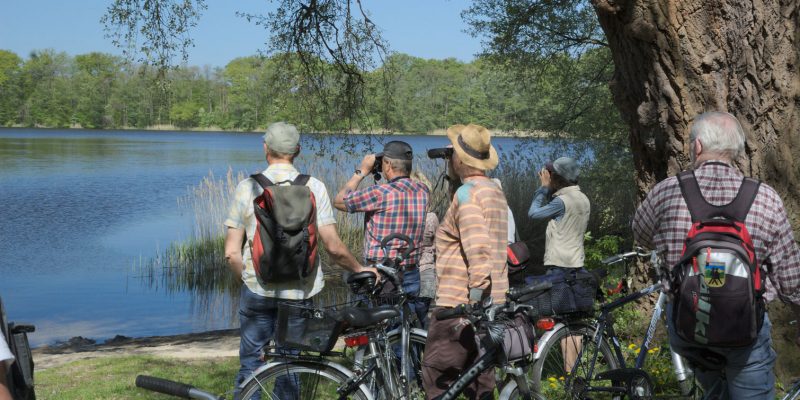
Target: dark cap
{"x": 397, "y": 150}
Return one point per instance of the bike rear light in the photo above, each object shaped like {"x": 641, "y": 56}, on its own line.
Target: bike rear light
{"x": 355, "y": 341}
{"x": 545, "y": 324}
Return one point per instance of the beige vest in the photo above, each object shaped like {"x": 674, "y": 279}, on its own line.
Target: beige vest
{"x": 564, "y": 238}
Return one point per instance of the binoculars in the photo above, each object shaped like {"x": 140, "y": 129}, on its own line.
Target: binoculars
{"x": 441, "y": 152}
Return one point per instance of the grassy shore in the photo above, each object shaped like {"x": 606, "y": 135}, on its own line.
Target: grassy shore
{"x": 114, "y": 377}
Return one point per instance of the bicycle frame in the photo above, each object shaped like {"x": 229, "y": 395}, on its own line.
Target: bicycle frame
{"x": 605, "y": 327}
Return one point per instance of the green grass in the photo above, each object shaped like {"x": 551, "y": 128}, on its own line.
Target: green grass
{"x": 114, "y": 377}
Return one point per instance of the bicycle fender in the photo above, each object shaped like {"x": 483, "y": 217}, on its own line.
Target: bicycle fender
{"x": 545, "y": 338}
{"x": 338, "y": 367}
{"x": 412, "y": 331}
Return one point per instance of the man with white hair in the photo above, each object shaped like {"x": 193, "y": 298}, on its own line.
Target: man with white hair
{"x": 663, "y": 221}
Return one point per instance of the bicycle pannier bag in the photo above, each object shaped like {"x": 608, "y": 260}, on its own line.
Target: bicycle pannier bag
{"x": 573, "y": 290}
{"x": 718, "y": 285}
{"x": 284, "y": 247}
{"x": 518, "y": 338}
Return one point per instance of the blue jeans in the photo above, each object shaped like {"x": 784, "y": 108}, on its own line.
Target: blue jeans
{"x": 415, "y": 303}
{"x": 748, "y": 371}
{"x": 258, "y": 316}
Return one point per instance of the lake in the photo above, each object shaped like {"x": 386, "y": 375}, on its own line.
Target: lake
{"x": 81, "y": 209}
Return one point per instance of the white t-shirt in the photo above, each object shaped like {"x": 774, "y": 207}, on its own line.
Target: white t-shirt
{"x": 5, "y": 353}
{"x": 241, "y": 215}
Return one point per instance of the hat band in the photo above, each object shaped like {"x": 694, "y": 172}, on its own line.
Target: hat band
{"x": 481, "y": 155}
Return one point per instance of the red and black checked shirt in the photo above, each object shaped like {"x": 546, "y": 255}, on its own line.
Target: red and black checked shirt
{"x": 398, "y": 206}
{"x": 662, "y": 222}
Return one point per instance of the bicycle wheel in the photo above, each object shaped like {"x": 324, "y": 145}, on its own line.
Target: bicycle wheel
{"x": 299, "y": 380}
{"x": 549, "y": 376}
{"x": 416, "y": 346}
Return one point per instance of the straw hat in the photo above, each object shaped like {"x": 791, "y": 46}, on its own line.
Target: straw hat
{"x": 473, "y": 145}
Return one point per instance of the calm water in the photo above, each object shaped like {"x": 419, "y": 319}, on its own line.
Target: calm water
{"x": 81, "y": 208}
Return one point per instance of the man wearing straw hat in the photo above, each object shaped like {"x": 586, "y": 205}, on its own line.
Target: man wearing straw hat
{"x": 471, "y": 265}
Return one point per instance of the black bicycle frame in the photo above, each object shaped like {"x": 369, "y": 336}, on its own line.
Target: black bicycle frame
{"x": 604, "y": 327}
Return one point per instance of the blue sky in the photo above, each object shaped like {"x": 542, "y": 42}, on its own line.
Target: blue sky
{"x": 422, "y": 28}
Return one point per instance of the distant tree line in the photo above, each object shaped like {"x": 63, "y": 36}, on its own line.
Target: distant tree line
{"x": 404, "y": 94}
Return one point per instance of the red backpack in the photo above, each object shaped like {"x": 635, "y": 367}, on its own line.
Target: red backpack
{"x": 718, "y": 285}
{"x": 284, "y": 248}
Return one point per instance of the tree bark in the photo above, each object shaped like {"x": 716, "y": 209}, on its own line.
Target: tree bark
{"x": 675, "y": 59}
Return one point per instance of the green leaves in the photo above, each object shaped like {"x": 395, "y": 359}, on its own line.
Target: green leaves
{"x": 157, "y": 30}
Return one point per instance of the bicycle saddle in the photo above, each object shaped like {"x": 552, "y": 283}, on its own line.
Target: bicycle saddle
{"x": 361, "y": 276}
{"x": 357, "y": 317}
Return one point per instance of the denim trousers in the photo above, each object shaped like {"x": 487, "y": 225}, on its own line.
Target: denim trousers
{"x": 748, "y": 371}
{"x": 258, "y": 316}
{"x": 411, "y": 286}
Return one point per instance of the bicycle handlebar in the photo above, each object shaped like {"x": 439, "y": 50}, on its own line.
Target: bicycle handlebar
{"x": 477, "y": 310}
{"x": 173, "y": 388}
{"x": 637, "y": 252}
{"x": 515, "y": 294}
{"x": 397, "y": 236}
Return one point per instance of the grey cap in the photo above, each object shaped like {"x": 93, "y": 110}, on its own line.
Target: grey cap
{"x": 282, "y": 137}
{"x": 398, "y": 150}
{"x": 566, "y": 167}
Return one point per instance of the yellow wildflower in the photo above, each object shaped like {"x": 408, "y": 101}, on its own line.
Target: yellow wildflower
{"x": 551, "y": 379}
{"x": 553, "y": 385}
{"x": 632, "y": 346}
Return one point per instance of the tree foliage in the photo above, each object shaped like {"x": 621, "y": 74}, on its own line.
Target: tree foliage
{"x": 155, "y": 30}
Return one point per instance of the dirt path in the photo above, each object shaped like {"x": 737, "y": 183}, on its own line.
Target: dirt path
{"x": 223, "y": 343}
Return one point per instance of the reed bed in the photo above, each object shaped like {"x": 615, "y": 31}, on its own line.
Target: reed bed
{"x": 197, "y": 265}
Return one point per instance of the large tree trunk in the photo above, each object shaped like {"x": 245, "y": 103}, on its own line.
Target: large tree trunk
{"x": 677, "y": 59}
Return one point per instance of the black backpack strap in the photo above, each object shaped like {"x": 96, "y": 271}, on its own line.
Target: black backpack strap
{"x": 740, "y": 206}
{"x": 700, "y": 209}
{"x": 262, "y": 180}
{"x": 301, "y": 180}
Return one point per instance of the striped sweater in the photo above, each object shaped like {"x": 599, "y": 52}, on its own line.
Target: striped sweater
{"x": 471, "y": 244}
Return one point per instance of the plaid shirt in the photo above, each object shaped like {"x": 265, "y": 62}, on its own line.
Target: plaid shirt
{"x": 398, "y": 206}
{"x": 662, "y": 222}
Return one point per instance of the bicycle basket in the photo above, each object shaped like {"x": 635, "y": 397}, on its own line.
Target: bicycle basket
{"x": 307, "y": 328}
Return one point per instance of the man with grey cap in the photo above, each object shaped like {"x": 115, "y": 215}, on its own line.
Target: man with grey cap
{"x": 259, "y": 300}
{"x": 559, "y": 201}
{"x": 397, "y": 206}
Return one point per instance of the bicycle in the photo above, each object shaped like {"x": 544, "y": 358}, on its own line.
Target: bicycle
{"x": 20, "y": 376}
{"x": 500, "y": 341}
{"x": 369, "y": 330}
{"x": 322, "y": 376}
{"x": 599, "y": 367}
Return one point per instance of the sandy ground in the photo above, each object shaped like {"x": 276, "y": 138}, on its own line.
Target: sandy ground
{"x": 223, "y": 343}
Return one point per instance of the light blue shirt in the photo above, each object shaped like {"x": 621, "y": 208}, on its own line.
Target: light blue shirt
{"x": 554, "y": 209}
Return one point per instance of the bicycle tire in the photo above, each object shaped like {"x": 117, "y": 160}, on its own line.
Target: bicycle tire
{"x": 416, "y": 343}
{"x": 548, "y": 373}
{"x": 313, "y": 380}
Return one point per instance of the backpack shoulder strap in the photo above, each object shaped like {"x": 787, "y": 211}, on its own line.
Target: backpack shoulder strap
{"x": 700, "y": 209}
{"x": 740, "y": 206}
{"x": 695, "y": 202}
{"x": 301, "y": 180}
{"x": 262, "y": 180}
